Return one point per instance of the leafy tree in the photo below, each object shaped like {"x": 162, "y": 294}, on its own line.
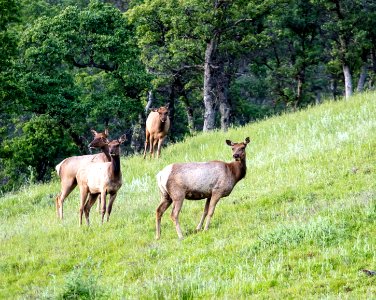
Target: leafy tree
{"x": 79, "y": 69}
{"x": 178, "y": 38}
{"x": 9, "y": 91}
{"x": 292, "y": 52}
{"x": 34, "y": 151}
{"x": 72, "y": 65}
{"x": 346, "y": 30}
{"x": 173, "y": 62}
{"x": 85, "y": 62}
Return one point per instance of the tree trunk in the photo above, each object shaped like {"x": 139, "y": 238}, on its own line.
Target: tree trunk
{"x": 362, "y": 78}
{"x": 189, "y": 112}
{"x": 209, "y": 97}
{"x": 318, "y": 97}
{"x": 138, "y": 135}
{"x": 225, "y": 110}
{"x": 224, "y": 105}
{"x": 373, "y": 58}
{"x": 343, "y": 38}
{"x": 334, "y": 87}
{"x": 138, "y": 129}
{"x": 299, "y": 90}
{"x": 150, "y": 102}
{"x": 348, "y": 81}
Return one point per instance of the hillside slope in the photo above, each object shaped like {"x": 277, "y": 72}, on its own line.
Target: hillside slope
{"x": 301, "y": 224}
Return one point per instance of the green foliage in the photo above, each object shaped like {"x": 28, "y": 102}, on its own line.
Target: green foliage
{"x": 174, "y": 37}
{"x": 9, "y": 14}
{"x": 242, "y": 91}
{"x": 350, "y": 26}
{"x": 79, "y": 68}
{"x": 301, "y": 224}
{"x": 102, "y": 103}
{"x": 292, "y": 54}
{"x": 8, "y": 40}
{"x": 87, "y": 64}
{"x": 37, "y": 148}
{"x": 79, "y": 285}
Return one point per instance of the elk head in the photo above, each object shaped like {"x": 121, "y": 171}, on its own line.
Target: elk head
{"x": 100, "y": 139}
{"x": 238, "y": 149}
{"x": 114, "y": 146}
{"x": 162, "y": 111}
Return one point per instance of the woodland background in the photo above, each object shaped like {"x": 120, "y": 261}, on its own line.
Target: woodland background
{"x": 68, "y": 66}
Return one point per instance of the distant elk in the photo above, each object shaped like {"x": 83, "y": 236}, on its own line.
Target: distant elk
{"x": 100, "y": 178}
{"x": 157, "y": 127}
{"x": 212, "y": 180}
{"x": 67, "y": 169}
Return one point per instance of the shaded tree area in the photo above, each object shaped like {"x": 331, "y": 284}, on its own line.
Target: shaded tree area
{"x": 77, "y": 69}
{"x": 69, "y": 66}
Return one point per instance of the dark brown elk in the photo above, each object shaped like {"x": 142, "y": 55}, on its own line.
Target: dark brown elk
{"x": 157, "y": 127}
{"x": 67, "y": 169}
{"x": 100, "y": 179}
{"x": 212, "y": 180}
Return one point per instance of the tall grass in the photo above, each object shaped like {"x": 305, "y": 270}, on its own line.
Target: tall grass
{"x": 300, "y": 225}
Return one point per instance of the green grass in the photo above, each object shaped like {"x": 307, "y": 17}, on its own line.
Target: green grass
{"x": 300, "y": 225}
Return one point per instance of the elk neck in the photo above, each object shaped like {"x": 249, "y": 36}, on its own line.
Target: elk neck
{"x": 162, "y": 125}
{"x": 115, "y": 165}
{"x": 238, "y": 168}
{"x": 106, "y": 152}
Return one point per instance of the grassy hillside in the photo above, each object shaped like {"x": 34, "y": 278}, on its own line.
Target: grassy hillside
{"x": 300, "y": 225}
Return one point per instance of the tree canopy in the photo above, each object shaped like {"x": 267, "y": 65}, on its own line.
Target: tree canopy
{"x": 69, "y": 66}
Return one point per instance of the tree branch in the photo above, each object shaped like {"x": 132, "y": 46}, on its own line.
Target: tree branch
{"x": 241, "y": 21}
{"x": 93, "y": 64}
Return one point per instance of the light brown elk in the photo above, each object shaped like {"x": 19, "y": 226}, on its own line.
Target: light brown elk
{"x": 67, "y": 169}
{"x": 157, "y": 127}
{"x": 100, "y": 179}
{"x": 212, "y": 180}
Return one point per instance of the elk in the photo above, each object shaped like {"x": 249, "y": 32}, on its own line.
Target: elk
{"x": 100, "y": 178}
{"x": 157, "y": 126}
{"x": 67, "y": 169}
{"x": 212, "y": 180}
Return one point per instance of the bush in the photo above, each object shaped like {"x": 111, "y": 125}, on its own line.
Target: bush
{"x": 30, "y": 156}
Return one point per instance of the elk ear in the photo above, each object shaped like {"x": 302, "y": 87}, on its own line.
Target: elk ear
{"x": 228, "y": 142}
{"x": 154, "y": 109}
{"x": 93, "y": 132}
{"x": 167, "y": 105}
{"x": 246, "y": 141}
{"x": 106, "y": 131}
{"x": 122, "y": 139}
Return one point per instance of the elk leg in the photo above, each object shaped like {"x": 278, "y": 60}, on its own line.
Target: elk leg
{"x": 109, "y": 208}
{"x": 99, "y": 206}
{"x": 213, "y": 202}
{"x": 151, "y": 142}
{"x": 67, "y": 188}
{"x": 57, "y": 205}
{"x": 165, "y": 203}
{"x": 175, "y": 216}
{"x": 199, "y": 226}
{"x": 83, "y": 193}
{"x": 160, "y": 142}
{"x": 146, "y": 142}
{"x": 155, "y": 142}
{"x": 103, "y": 202}
{"x": 89, "y": 203}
